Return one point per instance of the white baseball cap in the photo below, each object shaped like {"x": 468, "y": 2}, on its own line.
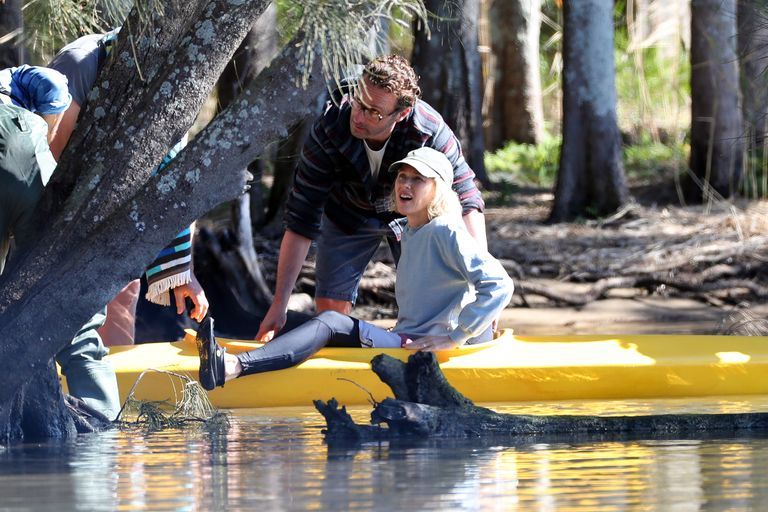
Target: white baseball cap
{"x": 428, "y": 162}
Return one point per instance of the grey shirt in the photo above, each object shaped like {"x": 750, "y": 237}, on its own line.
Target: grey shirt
{"x": 79, "y": 61}
{"x": 446, "y": 284}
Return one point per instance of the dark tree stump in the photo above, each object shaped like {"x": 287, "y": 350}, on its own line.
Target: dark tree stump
{"x": 426, "y": 405}
{"x": 86, "y": 418}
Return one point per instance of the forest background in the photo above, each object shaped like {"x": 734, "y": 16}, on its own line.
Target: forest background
{"x": 504, "y": 61}
{"x": 668, "y": 254}
{"x": 620, "y": 146}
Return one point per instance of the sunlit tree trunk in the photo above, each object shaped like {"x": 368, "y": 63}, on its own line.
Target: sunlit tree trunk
{"x": 753, "y": 56}
{"x": 248, "y": 285}
{"x": 716, "y": 123}
{"x": 11, "y": 31}
{"x": 516, "y": 112}
{"x": 258, "y": 48}
{"x": 448, "y": 65}
{"x": 590, "y": 180}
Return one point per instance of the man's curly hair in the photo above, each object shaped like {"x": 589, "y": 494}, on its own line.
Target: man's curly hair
{"x": 394, "y": 74}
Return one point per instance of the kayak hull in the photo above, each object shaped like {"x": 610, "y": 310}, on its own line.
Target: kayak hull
{"x": 511, "y": 368}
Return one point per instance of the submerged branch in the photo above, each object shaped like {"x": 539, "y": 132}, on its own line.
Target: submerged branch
{"x": 436, "y": 409}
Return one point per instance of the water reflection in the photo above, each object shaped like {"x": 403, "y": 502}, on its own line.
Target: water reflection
{"x": 276, "y": 460}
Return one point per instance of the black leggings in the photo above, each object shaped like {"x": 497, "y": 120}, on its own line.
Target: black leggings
{"x": 329, "y": 328}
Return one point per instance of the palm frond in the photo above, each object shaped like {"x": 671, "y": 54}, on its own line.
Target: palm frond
{"x": 339, "y": 31}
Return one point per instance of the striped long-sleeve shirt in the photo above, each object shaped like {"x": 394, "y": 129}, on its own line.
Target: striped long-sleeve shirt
{"x": 334, "y": 176}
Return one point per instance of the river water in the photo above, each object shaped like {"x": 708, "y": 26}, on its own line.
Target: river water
{"x": 276, "y": 459}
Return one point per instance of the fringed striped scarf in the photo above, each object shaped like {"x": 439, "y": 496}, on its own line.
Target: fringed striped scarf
{"x": 170, "y": 269}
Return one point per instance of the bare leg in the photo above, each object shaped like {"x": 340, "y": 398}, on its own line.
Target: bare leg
{"x": 325, "y": 304}
{"x": 232, "y": 367}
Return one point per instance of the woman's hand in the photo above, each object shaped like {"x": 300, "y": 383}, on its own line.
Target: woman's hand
{"x": 431, "y": 343}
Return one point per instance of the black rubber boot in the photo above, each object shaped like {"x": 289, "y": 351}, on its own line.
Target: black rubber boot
{"x": 211, "y": 373}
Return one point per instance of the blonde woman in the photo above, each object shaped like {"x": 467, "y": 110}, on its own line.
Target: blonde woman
{"x": 448, "y": 290}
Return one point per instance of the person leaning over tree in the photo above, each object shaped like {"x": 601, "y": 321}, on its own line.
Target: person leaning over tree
{"x": 341, "y": 198}
{"x": 449, "y": 290}
{"x": 32, "y": 103}
{"x": 171, "y": 272}
{"x": 26, "y": 165}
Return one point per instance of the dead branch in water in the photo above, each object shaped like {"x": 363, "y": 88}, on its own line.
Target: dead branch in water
{"x": 426, "y": 405}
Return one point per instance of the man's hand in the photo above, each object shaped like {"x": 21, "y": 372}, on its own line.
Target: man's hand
{"x": 431, "y": 343}
{"x": 293, "y": 252}
{"x": 195, "y": 292}
{"x": 273, "y": 321}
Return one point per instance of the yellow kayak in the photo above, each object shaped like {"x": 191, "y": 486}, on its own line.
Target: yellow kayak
{"x": 510, "y": 368}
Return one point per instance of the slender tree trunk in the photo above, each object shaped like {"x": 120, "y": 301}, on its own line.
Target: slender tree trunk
{"x": 590, "y": 181}
{"x": 448, "y": 64}
{"x": 516, "y": 112}
{"x": 238, "y": 264}
{"x": 753, "y": 56}
{"x": 716, "y": 122}
{"x": 12, "y": 52}
{"x": 254, "y": 54}
{"x": 288, "y": 153}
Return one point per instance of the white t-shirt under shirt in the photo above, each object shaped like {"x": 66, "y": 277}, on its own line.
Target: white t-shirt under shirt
{"x": 375, "y": 158}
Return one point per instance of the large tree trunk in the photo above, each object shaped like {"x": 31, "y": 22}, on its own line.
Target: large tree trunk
{"x": 448, "y": 64}
{"x": 716, "y": 123}
{"x": 753, "y": 56}
{"x": 226, "y": 262}
{"x": 102, "y": 217}
{"x": 516, "y": 112}
{"x": 12, "y": 51}
{"x": 590, "y": 181}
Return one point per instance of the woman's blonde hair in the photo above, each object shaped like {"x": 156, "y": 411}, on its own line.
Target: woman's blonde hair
{"x": 445, "y": 201}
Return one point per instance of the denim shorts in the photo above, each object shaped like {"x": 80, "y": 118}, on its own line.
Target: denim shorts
{"x": 341, "y": 257}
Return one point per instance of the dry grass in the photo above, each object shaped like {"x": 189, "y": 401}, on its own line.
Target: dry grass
{"x": 191, "y": 407}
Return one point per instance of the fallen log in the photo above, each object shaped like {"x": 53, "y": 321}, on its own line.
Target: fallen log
{"x": 426, "y": 405}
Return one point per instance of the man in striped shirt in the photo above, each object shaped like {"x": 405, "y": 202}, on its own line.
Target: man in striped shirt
{"x": 341, "y": 192}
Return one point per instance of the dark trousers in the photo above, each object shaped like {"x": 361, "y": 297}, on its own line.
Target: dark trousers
{"x": 329, "y": 328}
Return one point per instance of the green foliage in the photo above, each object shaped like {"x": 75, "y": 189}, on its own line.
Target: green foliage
{"x": 755, "y": 178}
{"x": 50, "y": 24}
{"x": 525, "y": 164}
{"x": 652, "y": 87}
{"x": 551, "y": 58}
{"x": 338, "y": 32}
{"x": 648, "y": 160}
{"x": 537, "y": 165}
{"x": 401, "y": 34}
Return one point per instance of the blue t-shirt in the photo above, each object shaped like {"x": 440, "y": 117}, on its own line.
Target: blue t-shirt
{"x": 37, "y": 89}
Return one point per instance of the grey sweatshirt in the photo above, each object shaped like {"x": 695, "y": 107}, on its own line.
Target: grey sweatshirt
{"x": 446, "y": 284}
